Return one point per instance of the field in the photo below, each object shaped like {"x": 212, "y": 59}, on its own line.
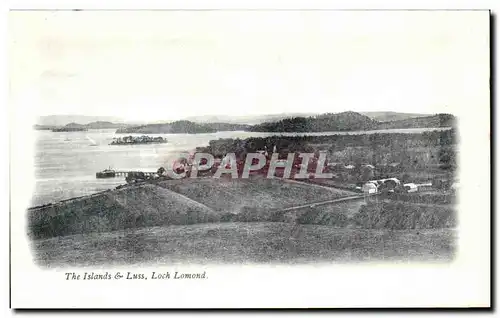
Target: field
{"x": 237, "y": 243}
{"x": 233, "y": 195}
{"x": 136, "y": 207}
{"x": 177, "y": 202}
{"x": 237, "y": 221}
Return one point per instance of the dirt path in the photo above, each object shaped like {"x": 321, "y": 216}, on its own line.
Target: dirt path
{"x": 354, "y": 197}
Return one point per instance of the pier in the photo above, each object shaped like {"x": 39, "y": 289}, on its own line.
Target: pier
{"x": 108, "y": 173}
{"x": 125, "y": 173}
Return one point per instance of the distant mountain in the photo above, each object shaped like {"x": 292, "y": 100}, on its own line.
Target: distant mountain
{"x": 391, "y": 116}
{"x": 105, "y": 125}
{"x": 92, "y": 125}
{"x": 177, "y": 127}
{"x": 345, "y": 121}
{"x": 43, "y": 127}
{"x": 74, "y": 125}
{"x": 61, "y": 120}
{"x": 247, "y": 119}
{"x": 71, "y": 127}
{"x": 181, "y": 127}
{"x": 286, "y": 122}
{"x": 227, "y": 126}
{"x": 434, "y": 121}
{"x": 351, "y": 121}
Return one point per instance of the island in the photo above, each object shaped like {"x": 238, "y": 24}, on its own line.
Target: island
{"x": 71, "y": 127}
{"x": 182, "y": 127}
{"x": 131, "y": 140}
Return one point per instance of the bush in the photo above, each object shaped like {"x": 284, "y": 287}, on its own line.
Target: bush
{"x": 400, "y": 216}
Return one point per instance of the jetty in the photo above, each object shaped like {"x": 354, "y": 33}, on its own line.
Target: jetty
{"x": 108, "y": 173}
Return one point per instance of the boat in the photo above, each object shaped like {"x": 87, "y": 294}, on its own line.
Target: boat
{"x": 92, "y": 141}
{"x": 106, "y": 173}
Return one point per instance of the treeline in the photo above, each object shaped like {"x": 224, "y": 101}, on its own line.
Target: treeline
{"x": 350, "y": 121}
{"x": 334, "y": 142}
{"x": 346, "y": 121}
{"x": 435, "y": 121}
{"x": 182, "y": 127}
{"x": 392, "y": 153}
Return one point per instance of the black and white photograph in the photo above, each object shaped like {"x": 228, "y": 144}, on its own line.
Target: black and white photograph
{"x": 185, "y": 140}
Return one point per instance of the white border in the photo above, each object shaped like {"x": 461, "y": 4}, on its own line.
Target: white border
{"x": 472, "y": 276}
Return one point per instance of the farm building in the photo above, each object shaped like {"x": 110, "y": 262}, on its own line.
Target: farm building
{"x": 370, "y": 187}
{"x": 410, "y": 187}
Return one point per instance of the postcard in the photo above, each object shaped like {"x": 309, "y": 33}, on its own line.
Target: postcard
{"x": 249, "y": 158}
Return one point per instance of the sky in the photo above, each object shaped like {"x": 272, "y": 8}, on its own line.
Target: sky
{"x": 166, "y": 65}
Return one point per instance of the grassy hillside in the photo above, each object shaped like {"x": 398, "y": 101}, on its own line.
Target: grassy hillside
{"x": 226, "y": 220}
{"x": 236, "y": 195}
{"x": 226, "y": 243}
{"x": 136, "y": 207}
{"x": 185, "y": 201}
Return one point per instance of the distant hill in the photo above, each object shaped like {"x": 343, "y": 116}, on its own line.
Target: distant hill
{"x": 177, "y": 127}
{"x": 44, "y": 127}
{"x": 74, "y": 125}
{"x": 352, "y": 121}
{"x": 105, "y": 125}
{"x": 391, "y": 116}
{"x": 71, "y": 127}
{"x": 247, "y": 119}
{"x": 61, "y": 120}
{"x": 345, "y": 121}
{"x": 434, "y": 121}
{"x": 92, "y": 125}
{"x": 227, "y": 126}
{"x": 286, "y": 122}
{"x": 182, "y": 127}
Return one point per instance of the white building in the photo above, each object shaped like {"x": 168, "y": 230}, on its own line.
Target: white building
{"x": 410, "y": 187}
{"x": 369, "y": 187}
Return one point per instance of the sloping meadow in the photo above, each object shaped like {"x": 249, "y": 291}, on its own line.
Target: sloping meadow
{"x": 133, "y": 207}
{"x": 184, "y": 203}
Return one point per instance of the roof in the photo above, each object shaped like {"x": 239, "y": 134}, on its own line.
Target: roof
{"x": 411, "y": 185}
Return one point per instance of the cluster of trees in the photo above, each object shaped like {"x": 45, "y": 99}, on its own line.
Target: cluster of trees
{"x": 182, "y": 127}
{"x": 178, "y": 127}
{"x": 346, "y": 121}
{"x": 392, "y": 154}
{"x": 393, "y": 142}
{"x": 350, "y": 121}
